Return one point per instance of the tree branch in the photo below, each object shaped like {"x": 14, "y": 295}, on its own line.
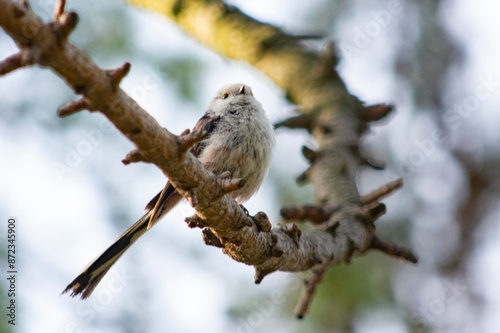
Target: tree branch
{"x": 394, "y": 250}
{"x": 382, "y": 192}
{"x": 14, "y": 62}
{"x": 308, "y": 78}
{"x": 307, "y": 294}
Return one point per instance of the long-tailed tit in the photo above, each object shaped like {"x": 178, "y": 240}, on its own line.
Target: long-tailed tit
{"x": 240, "y": 141}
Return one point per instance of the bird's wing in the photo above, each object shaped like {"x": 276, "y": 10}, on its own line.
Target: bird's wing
{"x": 208, "y": 123}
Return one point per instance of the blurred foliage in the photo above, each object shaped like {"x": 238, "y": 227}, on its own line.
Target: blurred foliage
{"x": 426, "y": 59}
{"x": 290, "y": 192}
{"x": 184, "y": 73}
{"x": 114, "y": 21}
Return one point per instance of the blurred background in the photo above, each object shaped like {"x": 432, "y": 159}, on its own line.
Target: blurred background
{"x": 437, "y": 61}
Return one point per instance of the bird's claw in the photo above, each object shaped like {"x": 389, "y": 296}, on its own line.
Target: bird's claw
{"x": 245, "y": 210}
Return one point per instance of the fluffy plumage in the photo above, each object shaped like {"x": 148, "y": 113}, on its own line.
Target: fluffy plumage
{"x": 240, "y": 140}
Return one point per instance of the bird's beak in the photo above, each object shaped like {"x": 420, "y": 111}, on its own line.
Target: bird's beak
{"x": 242, "y": 90}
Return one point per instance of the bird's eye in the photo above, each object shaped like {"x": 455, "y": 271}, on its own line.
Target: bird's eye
{"x": 225, "y": 95}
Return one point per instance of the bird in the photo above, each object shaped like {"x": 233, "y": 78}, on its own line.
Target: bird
{"x": 239, "y": 142}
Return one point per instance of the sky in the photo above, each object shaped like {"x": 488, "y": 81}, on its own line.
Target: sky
{"x": 63, "y": 216}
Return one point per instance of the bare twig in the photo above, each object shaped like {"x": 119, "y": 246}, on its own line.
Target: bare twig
{"x": 211, "y": 239}
{"x": 15, "y": 61}
{"x": 302, "y": 179}
{"x": 64, "y": 26}
{"x": 133, "y": 157}
{"x": 189, "y": 139}
{"x": 377, "y": 112}
{"x": 118, "y": 74}
{"x": 372, "y": 212}
{"x": 310, "y": 213}
{"x": 260, "y": 274}
{"x": 74, "y": 107}
{"x": 293, "y": 231}
{"x": 303, "y": 120}
{"x": 195, "y": 222}
{"x": 231, "y": 185}
{"x": 394, "y": 250}
{"x": 25, "y": 4}
{"x": 309, "y": 153}
{"x": 59, "y": 9}
{"x": 262, "y": 222}
{"x": 382, "y": 191}
{"x": 308, "y": 291}
{"x": 329, "y": 57}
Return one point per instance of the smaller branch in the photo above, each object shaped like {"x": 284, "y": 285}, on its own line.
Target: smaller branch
{"x": 303, "y": 178}
{"x": 372, "y": 212}
{"x": 308, "y": 291}
{"x": 262, "y": 221}
{"x": 15, "y": 61}
{"x": 25, "y": 4}
{"x": 118, "y": 74}
{"x": 231, "y": 185}
{"x": 393, "y": 250}
{"x": 331, "y": 226}
{"x": 74, "y": 107}
{"x": 65, "y": 26}
{"x": 189, "y": 139}
{"x": 186, "y": 131}
{"x": 381, "y": 192}
{"x": 292, "y": 231}
{"x": 260, "y": 274}
{"x": 304, "y": 120}
{"x": 195, "y": 222}
{"x": 59, "y": 9}
{"x": 133, "y": 157}
{"x": 309, "y": 153}
{"x": 329, "y": 58}
{"x": 377, "y": 112}
{"x": 310, "y": 213}
{"x": 211, "y": 239}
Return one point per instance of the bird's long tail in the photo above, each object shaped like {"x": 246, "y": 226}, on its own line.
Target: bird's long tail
{"x": 90, "y": 276}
